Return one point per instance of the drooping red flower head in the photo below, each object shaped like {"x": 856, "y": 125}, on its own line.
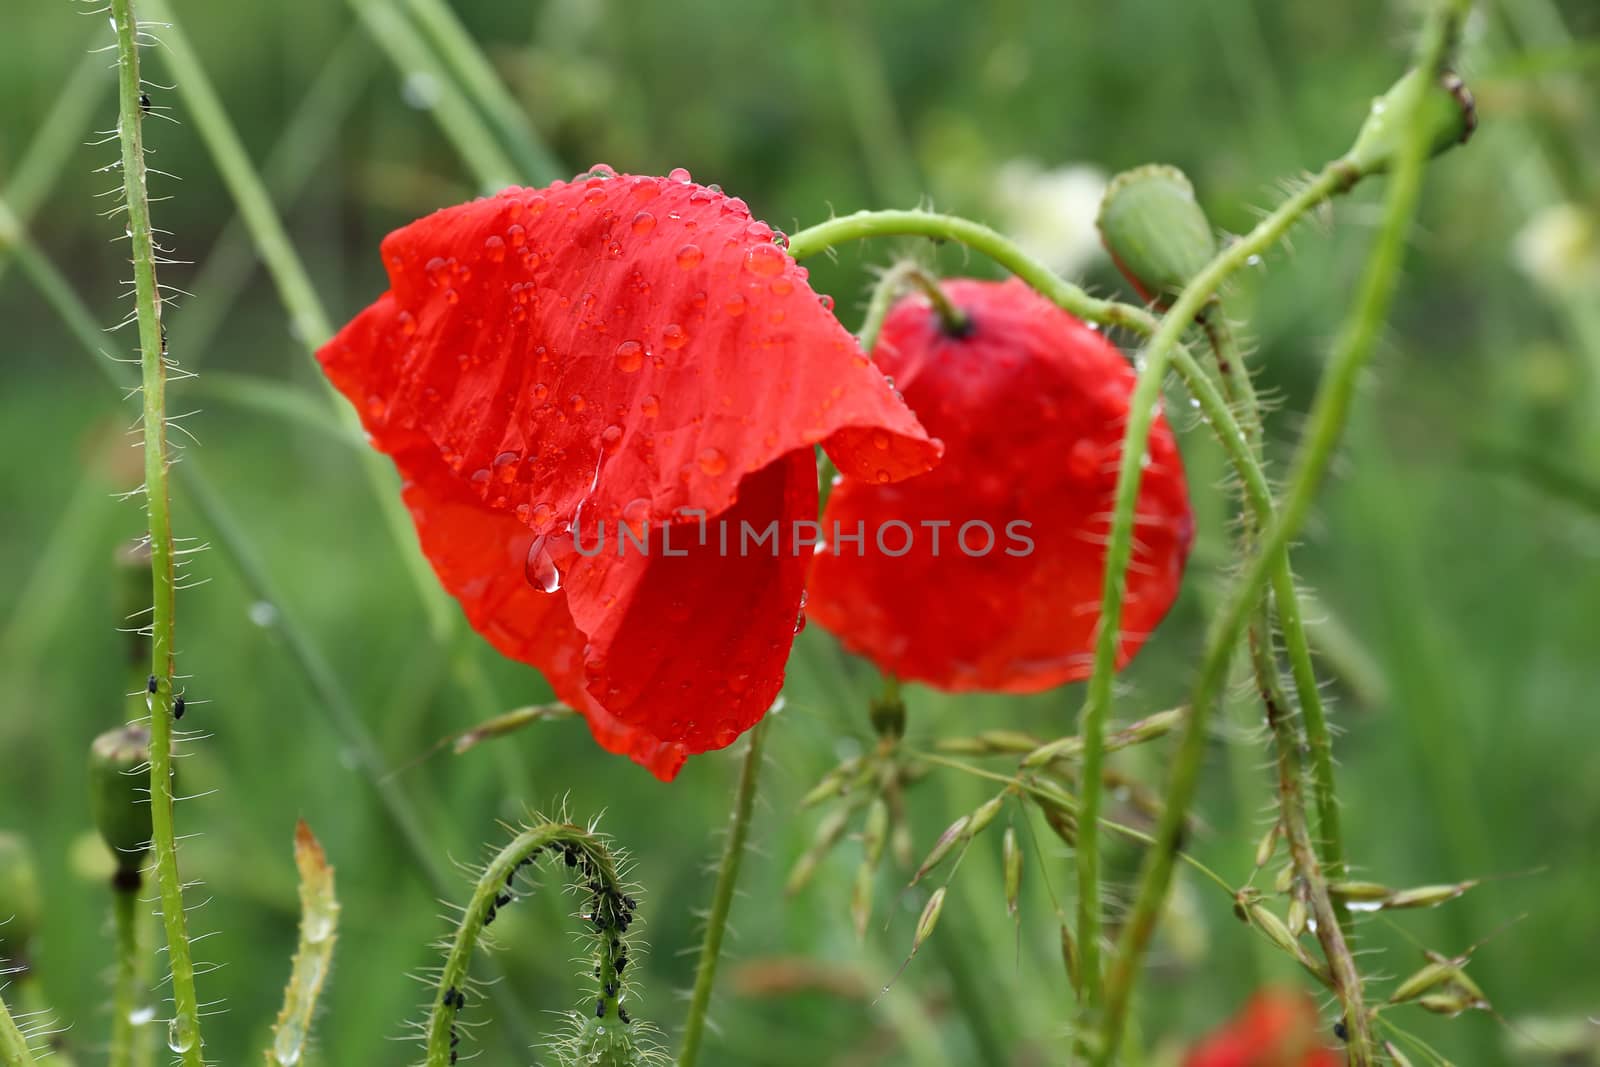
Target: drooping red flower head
{"x": 1276, "y": 1028}
{"x": 986, "y": 573}
{"x": 551, "y": 366}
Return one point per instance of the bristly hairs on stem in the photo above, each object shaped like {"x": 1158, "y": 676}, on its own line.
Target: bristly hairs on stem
{"x": 184, "y": 1027}
{"x": 601, "y": 1032}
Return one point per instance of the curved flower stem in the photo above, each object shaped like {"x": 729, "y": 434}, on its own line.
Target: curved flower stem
{"x": 864, "y": 224}
{"x": 125, "y": 993}
{"x": 908, "y": 272}
{"x": 185, "y": 1037}
{"x": 1325, "y": 423}
{"x": 492, "y": 892}
{"x": 705, "y": 974}
{"x": 1119, "y": 550}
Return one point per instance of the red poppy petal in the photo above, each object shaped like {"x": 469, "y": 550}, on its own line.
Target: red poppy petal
{"x": 617, "y": 350}
{"x": 1276, "y": 1028}
{"x": 1031, "y": 404}
{"x": 616, "y": 339}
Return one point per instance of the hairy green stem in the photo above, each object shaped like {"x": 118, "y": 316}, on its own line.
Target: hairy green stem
{"x": 14, "y": 1051}
{"x": 705, "y": 975}
{"x": 492, "y": 892}
{"x": 1326, "y": 421}
{"x": 185, "y": 1026}
{"x": 295, "y": 289}
{"x": 1236, "y": 379}
{"x": 1312, "y": 882}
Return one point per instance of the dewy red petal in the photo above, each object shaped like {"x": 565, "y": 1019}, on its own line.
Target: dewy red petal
{"x": 618, "y": 350}
{"x": 986, "y": 573}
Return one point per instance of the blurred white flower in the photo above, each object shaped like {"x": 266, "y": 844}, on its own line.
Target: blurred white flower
{"x": 1051, "y": 213}
{"x": 1559, "y": 248}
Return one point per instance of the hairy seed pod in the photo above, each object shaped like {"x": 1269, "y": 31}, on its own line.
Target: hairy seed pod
{"x": 928, "y": 919}
{"x": 952, "y": 836}
{"x": 1285, "y": 880}
{"x": 1011, "y": 862}
{"x": 119, "y": 795}
{"x": 1156, "y": 233}
{"x": 1448, "y": 114}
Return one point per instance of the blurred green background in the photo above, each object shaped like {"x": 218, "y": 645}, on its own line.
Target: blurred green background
{"x": 1455, "y": 555}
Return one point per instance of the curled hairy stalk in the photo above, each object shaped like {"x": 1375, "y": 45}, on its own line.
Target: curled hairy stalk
{"x": 184, "y": 1028}
{"x": 601, "y": 1032}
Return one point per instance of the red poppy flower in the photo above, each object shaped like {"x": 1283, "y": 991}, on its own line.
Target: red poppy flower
{"x": 986, "y": 573}
{"x": 554, "y": 364}
{"x": 1277, "y": 1028}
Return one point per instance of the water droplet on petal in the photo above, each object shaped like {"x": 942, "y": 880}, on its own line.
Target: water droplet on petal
{"x": 630, "y": 357}
{"x": 765, "y": 260}
{"x": 611, "y": 439}
{"x": 678, "y": 174}
{"x": 735, "y": 306}
{"x": 505, "y": 466}
{"x": 673, "y": 336}
{"x": 494, "y": 248}
{"x": 712, "y": 462}
{"x": 689, "y": 257}
{"x": 543, "y": 514}
{"x": 516, "y": 235}
{"x": 576, "y": 403}
{"x": 643, "y": 223}
{"x": 540, "y": 569}
{"x": 650, "y": 405}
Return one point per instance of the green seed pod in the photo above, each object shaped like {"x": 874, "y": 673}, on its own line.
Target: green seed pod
{"x": 1069, "y": 955}
{"x": 1448, "y": 115}
{"x": 1275, "y": 929}
{"x": 20, "y": 901}
{"x": 1396, "y": 1057}
{"x": 835, "y": 783}
{"x": 1359, "y": 891}
{"x": 1427, "y": 896}
{"x": 607, "y": 1043}
{"x": 928, "y": 920}
{"x": 1062, "y": 748}
{"x": 1428, "y": 978}
{"x": 984, "y": 815}
{"x": 1450, "y": 1002}
{"x": 1008, "y": 741}
{"x": 948, "y": 840}
{"x": 1011, "y": 862}
{"x": 1268, "y": 845}
{"x": 119, "y": 797}
{"x": 1155, "y": 231}
{"x": 1062, "y": 822}
{"x": 875, "y": 832}
{"x": 829, "y": 830}
{"x": 1299, "y": 915}
{"x": 861, "y": 901}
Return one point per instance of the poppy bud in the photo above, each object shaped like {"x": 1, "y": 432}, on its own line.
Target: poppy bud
{"x": 19, "y": 897}
{"x": 1156, "y": 233}
{"x": 119, "y": 796}
{"x": 1448, "y": 115}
